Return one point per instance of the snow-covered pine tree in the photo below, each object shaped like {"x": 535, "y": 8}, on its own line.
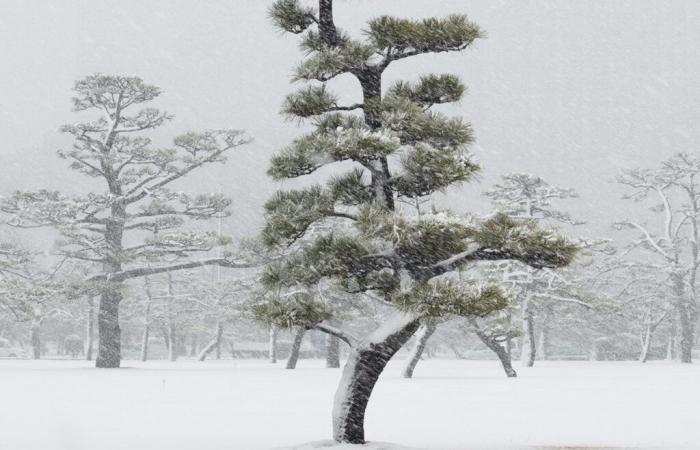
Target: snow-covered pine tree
{"x": 108, "y": 227}
{"x": 400, "y": 149}
{"x": 529, "y": 197}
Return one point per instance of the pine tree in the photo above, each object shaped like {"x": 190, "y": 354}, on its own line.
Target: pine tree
{"x": 108, "y": 227}
{"x": 401, "y": 150}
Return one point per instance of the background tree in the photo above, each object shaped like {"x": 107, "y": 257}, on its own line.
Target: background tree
{"x": 107, "y": 227}
{"x": 400, "y": 149}
{"x": 674, "y": 188}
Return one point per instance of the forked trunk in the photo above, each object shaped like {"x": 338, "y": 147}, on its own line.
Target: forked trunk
{"x": 296, "y": 347}
{"x": 365, "y": 363}
{"x": 109, "y": 349}
{"x": 332, "y": 352}
{"x": 425, "y": 331}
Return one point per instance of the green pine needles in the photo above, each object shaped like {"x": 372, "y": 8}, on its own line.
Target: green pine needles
{"x": 402, "y": 152}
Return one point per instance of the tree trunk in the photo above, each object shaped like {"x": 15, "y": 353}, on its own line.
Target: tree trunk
{"x": 219, "y": 338}
{"x": 144, "y": 342}
{"x": 456, "y": 351}
{"x": 272, "y": 347}
{"x": 146, "y": 320}
{"x": 89, "y": 328}
{"x": 172, "y": 328}
{"x": 194, "y": 344}
{"x": 685, "y": 309}
{"x": 36, "y": 339}
{"x": 365, "y": 363}
{"x": 172, "y": 344}
{"x": 500, "y": 352}
{"x": 332, "y": 352}
{"x": 214, "y": 343}
{"x": 296, "y": 347}
{"x": 529, "y": 349}
{"x": 646, "y": 344}
{"x": 424, "y": 333}
{"x": 593, "y": 350}
{"x": 109, "y": 349}
{"x": 687, "y": 332}
{"x": 543, "y": 344}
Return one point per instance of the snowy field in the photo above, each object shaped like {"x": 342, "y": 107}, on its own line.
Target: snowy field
{"x": 217, "y": 405}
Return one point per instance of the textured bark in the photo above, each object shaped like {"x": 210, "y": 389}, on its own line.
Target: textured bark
{"x": 424, "y": 333}
{"x": 109, "y": 348}
{"x": 332, "y": 352}
{"x": 365, "y": 363}
{"x": 272, "y": 346}
{"x": 296, "y": 347}
{"x": 89, "y": 329}
{"x": 528, "y": 351}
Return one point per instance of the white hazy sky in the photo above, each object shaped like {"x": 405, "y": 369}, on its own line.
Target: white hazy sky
{"x": 571, "y": 90}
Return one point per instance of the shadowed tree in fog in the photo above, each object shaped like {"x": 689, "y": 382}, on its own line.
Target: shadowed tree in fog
{"x": 135, "y": 217}
{"x": 401, "y": 149}
{"x": 674, "y": 187}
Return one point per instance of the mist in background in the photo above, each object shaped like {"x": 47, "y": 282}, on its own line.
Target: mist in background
{"x": 572, "y": 91}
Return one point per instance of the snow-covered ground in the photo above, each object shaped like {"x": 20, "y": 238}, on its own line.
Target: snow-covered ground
{"x": 218, "y": 405}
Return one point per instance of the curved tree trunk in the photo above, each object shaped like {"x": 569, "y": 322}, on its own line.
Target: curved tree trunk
{"x": 500, "y": 352}
{"x": 296, "y": 347}
{"x": 109, "y": 348}
{"x": 365, "y": 363}
{"x": 424, "y": 333}
{"x": 332, "y": 352}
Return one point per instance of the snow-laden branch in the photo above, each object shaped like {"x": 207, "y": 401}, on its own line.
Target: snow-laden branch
{"x": 340, "y": 334}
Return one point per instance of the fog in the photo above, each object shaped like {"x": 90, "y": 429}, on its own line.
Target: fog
{"x": 572, "y": 91}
